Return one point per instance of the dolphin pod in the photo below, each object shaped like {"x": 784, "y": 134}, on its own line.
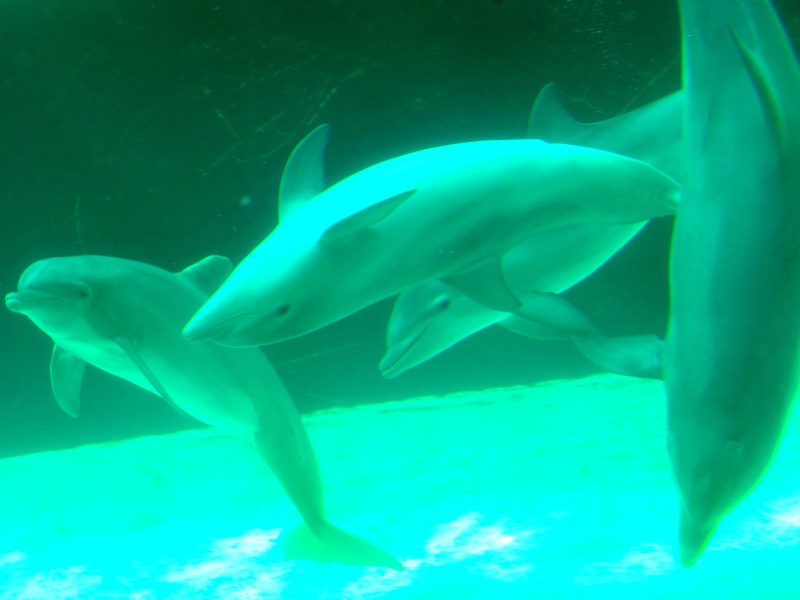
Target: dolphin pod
{"x": 431, "y": 317}
{"x": 483, "y": 232}
{"x": 446, "y": 213}
{"x": 733, "y": 342}
{"x": 125, "y": 318}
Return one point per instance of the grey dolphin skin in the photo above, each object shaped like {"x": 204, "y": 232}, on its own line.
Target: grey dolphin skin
{"x": 733, "y": 344}
{"x": 431, "y": 317}
{"x": 125, "y": 318}
{"x": 443, "y": 213}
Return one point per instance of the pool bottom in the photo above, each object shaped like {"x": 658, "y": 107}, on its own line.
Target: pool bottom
{"x": 561, "y": 490}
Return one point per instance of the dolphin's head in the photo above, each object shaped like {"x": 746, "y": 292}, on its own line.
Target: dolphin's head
{"x": 427, "y": 320}
{"x": 273, "y": 295}
{"x": 415, "y": 312}
{"x": 713, "y": 472}
{"x": 239, "y": 321}
{"x": 54, "y": 293}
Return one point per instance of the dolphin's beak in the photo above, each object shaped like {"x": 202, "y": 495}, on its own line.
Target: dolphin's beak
{"x": 19, "y": 302}
{"x": 14, "y": 302}
{"x": 390, "y": 363}
{"x": 202, "y": 328}
{"x": 198, "y": 331}
{"x": 693, "y": 540}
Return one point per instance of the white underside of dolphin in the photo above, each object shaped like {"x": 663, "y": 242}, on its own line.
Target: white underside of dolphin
{"x": 125, "y": 318}
{"x": 445, "y": 213}
{"x": 733, "y": 344}
{"x": 430, "y": 318}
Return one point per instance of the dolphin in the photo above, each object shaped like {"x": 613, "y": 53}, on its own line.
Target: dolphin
{"x": 733, "y": 340}
{"x": 651, "y": 133}
{"x": 442, "y": 213}
{"x": 431, "y": 317}
{"x": 125, "y": 318}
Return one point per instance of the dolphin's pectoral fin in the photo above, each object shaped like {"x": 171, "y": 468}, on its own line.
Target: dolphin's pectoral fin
{"x": 66, "y": 376}
{"x": 765, "y": 90}
{"x": 334, "y": 544}
{"x": 549, "y": 316}
{"x": 363, "y": 219}
{"x": 304, "y": 174}
{"x": 487, "y": 285}
{"x": 555, "y": 312}
{"x": 535, "y": 331}
{"x": 634, "y": 356}
{"x": 209, "y": 273}
{"x": 125, "y": 344}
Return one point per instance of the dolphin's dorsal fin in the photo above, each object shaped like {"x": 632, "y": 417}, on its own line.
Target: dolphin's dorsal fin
{"x": 363, "y": 219}
{"x": 209, "y": 273}
{"x": 304, "y": 174}
{"x": 125, "y": 344}
{"x": 550, "y": 121}
{"x": 487, "y": 285}
{"x": 66, "y": 376}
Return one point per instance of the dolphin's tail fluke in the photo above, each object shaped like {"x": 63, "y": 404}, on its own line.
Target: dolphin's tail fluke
{"x": 332, "y": 544}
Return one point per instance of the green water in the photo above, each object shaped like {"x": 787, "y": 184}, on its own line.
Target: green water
{"x": 561, "y": 490}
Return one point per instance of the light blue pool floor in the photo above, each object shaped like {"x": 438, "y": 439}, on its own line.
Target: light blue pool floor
{"x": 561, "y": 490}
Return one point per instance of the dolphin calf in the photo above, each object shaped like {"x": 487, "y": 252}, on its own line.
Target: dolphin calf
{"x": 431, "y": 317}
{"x": 733, "y": 343}
{"x": 125, "y": 318}
{"x": 443, "y": 213}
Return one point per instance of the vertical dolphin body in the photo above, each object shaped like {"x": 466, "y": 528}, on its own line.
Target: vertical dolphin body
{"x": 733, "y": 342}
{"x": 125, "y": 318}
{"x": 431, "y": 317}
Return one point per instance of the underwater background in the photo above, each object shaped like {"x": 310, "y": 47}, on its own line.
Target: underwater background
{"x": 157, "y": 131}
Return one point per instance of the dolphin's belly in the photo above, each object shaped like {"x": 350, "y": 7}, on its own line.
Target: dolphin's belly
{"x": 557, "y": 259}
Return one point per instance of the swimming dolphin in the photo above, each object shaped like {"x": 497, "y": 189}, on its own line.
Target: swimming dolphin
{"x": 125, "y": 318}
{"x": 733, "y": 343}
{"x": 651, "y": 133}
{"x": 442, "y": 213}
{"x": 431, "y": 317}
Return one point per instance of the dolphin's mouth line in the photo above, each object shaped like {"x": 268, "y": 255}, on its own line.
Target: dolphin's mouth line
{"x": 390, "y": 370}
{"x": 213, "y": 331}
{"x": 32, "y": 296}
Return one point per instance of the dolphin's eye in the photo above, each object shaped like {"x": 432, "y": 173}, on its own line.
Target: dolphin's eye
{"x": 442, "y": 303}
{"x": 282, "y": 310}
